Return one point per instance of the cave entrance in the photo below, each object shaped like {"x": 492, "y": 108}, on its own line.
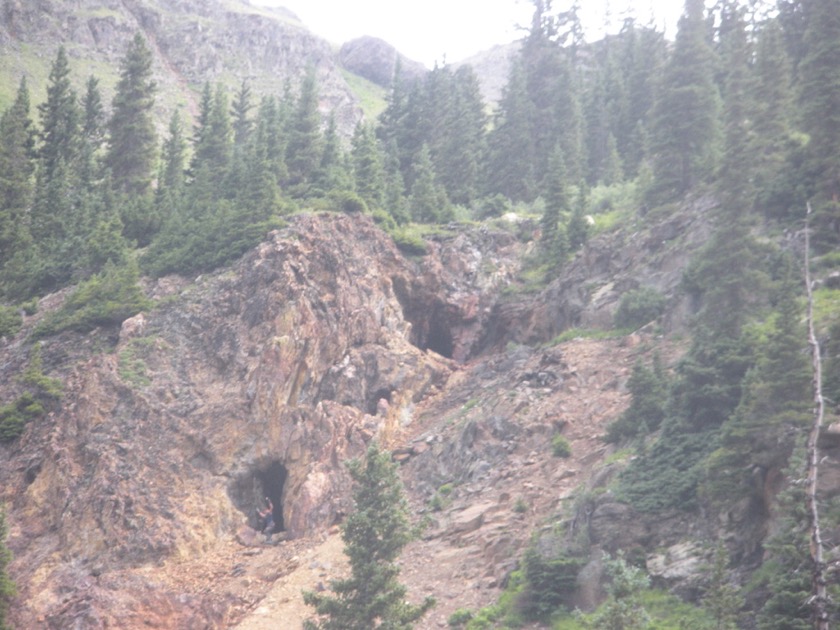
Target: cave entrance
{"x": 272, "y": 480}
{"x": 250, "y": 490}
{"x": 440, "y": 337}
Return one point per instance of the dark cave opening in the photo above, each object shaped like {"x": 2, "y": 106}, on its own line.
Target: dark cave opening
{"x": 373, "y": 402}
{"x": 439, "y": 338}
{"x": 249, "y": 492}
{"x": 431, "y": 325}
{"x": 272, "y": 480}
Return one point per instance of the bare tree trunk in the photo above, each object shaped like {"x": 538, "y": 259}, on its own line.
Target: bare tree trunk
{"x": 819, "y": 598}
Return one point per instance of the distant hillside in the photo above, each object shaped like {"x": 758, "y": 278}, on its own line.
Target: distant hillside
{"x": 193, "y": 41}
{"x": 492, "y": 67}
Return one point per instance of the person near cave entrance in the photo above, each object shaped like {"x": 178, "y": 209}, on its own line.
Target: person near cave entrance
{"x": 267, "y": 520}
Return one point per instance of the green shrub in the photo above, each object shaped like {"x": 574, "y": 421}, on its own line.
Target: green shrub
{"x": 489, "y": 207}
{"x": 638, "y": 307}
{"x": 560, "y": 446}
{"x": 550, "y": 579}
{"x": 46, "y": 388}
{"x": 106, "y": 299}
{"x": 587, "y": 333}
{"x": 486, "y": 618}
{"x": 520, "y": 506}
{"x": 10, "y": 321}
{"x": 347, "y": 201}
{"x": 42, "y": 392}
{"x": 649, "y": 391}
{"x": 8, "y": 589}
{"x": 130, "y": 366}
{"x": 30, "y": 307}
{"x": 460, "y": 617}
{"x": 384, "y": 220}
{"x": 14, "y": 416}
{"x": 409, "y": 243}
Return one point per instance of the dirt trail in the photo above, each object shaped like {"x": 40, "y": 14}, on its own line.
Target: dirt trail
{"x": 283, "y": 606}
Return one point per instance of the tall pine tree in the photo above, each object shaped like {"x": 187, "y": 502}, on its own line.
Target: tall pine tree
{"x": 684, "y": 120}
{"x": 374, "y": 535}
{"x": 303, "y": 151}
{"x": 17, "y": 166}
{"x": 819, "y": 74}
{"x": 132, "y": 143}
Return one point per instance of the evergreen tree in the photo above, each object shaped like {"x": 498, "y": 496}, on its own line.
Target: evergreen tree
{"x": 374, "y": 535}
{"x": 649, "y": 395}
{"x": 93, "y": 134}
{"x": 605, "y": 113}
{"x": 427, "y": 201}
{"x": 819, "y": 74}
{"x": 774, "y": 406}
{"x": 258, "y": 197}
{"x": 390, "y": 127}
{"x": 462, "y": 147}
{"x": 787, "y": 568}
{"x": 721, "y": 598}
{"x": 60, "y": 120}
{"x": 55, "y": 220}
{"x": 213, "y": 149}
{"x": 270, "y": 128}
{"x": 132, "y": 143}
{"x": 684, "y": 123}
{"x": 511, "y": 151}
{"x": 17, "y": 142}
{"x": 771, "y": 117}
{"x": 202, "y": 121}
{"x": 642, "y": 56}
{"x": 551, "y": 93}
{"x": 578, "y": 227}
{"x": 303, "y": 151}
{"x": 332, "y": 172}
{"x": 623, "y": 609}
{"x": 7, "y": 586}
{"x": 395, "y": 201}
{"x": 737, "y": 167}
{"x": 172, "y": 178}
{"x": 398, "y": 123}
{"x": 368, "y": 170}
{"x": 240, "y": 111}
{"x": 554, "y": 240}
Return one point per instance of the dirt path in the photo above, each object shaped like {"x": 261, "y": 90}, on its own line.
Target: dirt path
{"x": 283, "y": 606}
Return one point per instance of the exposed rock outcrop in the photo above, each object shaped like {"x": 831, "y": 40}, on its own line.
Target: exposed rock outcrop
{"x": 260, "y": 381}
{"x": 376, "y": 60}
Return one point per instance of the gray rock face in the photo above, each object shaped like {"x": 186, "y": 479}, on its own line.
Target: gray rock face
{"x": 375, "y": 60}
{"x": 492, "y": 67}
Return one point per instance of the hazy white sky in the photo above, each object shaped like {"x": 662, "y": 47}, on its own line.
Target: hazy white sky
{"x": 428, "y": 30}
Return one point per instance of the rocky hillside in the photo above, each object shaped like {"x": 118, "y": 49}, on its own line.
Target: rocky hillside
{"x": 193, "y": 42}
{"x": 130, "y": 504}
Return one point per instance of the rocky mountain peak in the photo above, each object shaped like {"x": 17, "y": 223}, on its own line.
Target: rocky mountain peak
{"x": 376, "y": 60}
